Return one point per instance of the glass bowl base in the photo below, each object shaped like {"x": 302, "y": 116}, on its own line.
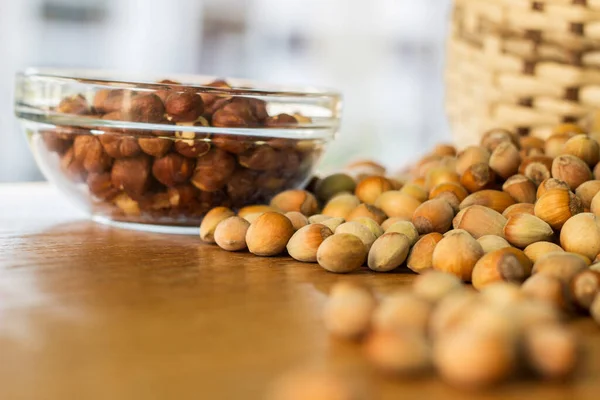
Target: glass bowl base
{"x": 172, "y": 230}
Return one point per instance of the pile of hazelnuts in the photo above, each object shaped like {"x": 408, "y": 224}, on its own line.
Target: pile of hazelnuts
{"x": 166, "y": 176}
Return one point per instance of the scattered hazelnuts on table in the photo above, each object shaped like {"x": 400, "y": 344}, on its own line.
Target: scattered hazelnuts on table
{"x": 522, "y": 228}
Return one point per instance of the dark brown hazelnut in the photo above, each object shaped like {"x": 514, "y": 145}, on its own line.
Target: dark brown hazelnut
{"x": 56, "y": 142}
{"x": 101, "y": 186}
{"x": 76, "y": 104}
{"x": 164, "y": 93}
{"x": 183, "y": 196}
{"x": 89, "y": 152}
{"x": 257, "y": 107}
{"x": 236, "y": 114}
{"x": 234, "y": 144}
{"x": 261, "y": 158}
{"x": 147, "y": 108}
{"x": 213, "y": 170}
{"x": 72, "y": 168}
{"x": 184, "y": 106}
{"x": 270, "y": 183}
{"x": 209, "y": 98}
{"x": 132, "y": 175}
{"x": 242, "y": 185}
{"x": 210, "y": 200}
{"x": 156, "y": 147}
{"x": 192, "y": 148}
{"x": 172, "y": 169}
{"x": 109, "y": 100}
{"x": 281, "y": 120}
{"x": 119, "y": 146}
{"x": 216, "y": 105}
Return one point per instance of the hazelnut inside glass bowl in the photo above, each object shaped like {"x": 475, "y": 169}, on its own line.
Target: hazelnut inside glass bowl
{"x": 158, "y": 154}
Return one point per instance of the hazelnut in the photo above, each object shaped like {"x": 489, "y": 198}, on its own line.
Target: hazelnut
{"x": 281, "y": 120}
{"x": 371, "y": 225}
{"x": 234, "y": 115}
{"x": 561, "y": 265}
{"x": 241, "y": 186}
{"x": 457, "y": 254}
{"x": 491, "y": 243}
{"x": 521, "y": 189}
{"x": 333, "y": 223}
{"x": 56, "y": 142}
{"x": 369, "y": 189}
{"x": 586, "y": 192}
{"x": 551, "y": 183}
{"x": 536, "y": 250}
{"x": 72, "y": 167}
{"x": 145, "y": 108}
{"x": 256, "y": 208}
{"x": 76, "y": 104}
{"x": 364, "y": 168}
{"x": 449, "y": 312}
{"x": 527, "y": 143}
{"x": 403, "y": 311}
{"x": 210, "y": 222}
{"x": 433, "y": 216}
{"x": 547, "y": 289}
{"x": 581, "y": 234}
{"x": 333, "y": 185}
{"x": 595, "y": 310}
{"x": 494, "y": 199}
{"x": 156, "y": 147}
{"x": 183, "y": 196}
{"x": 342, "y": 253}
{"x": 478, "y": 177}
{"x": 505, "y": 296}
{"x": 359, "y": 230}
{"x": 297, "y": 219}
{"x": 397, "y": 204}
{"x": 519, "y": 208}
{"x": 585, "y": 287}
{"x": 469, "y": 156}
{"x": 443, "y": 149}
{"x": 406, "y": 228}
{"x": 209, "y": 97}
{"x": 571, "y": 170}
{"x": 189, "y": 145}
{"x": 131, "y": 175}
{"x": 398, "y": 352}
{"x": 261, "y": 158}
{"x": 391, "y": 221}
{"x": 366, "y": 210}
{"x": 532, "y": 313}
{"x": 348, "y": 310}
{"x": 388, "y": 252}
{"x": 318, "y": 218}
{"x": 184, "y": 106}
{"x": 479, "y": 221}
{"x": 416, "y": 191}
{"x": 88, "y": 151}
{"x": 538, "y": 172}
{"x": 119, "y": 146}
{"x": 127, "y": 205}
{"x": 107, "y": 100}
{"x": 459, "y": 191}
{"x": 100, "y": 185}
{"x": 172, "y": 169}
{"x": 521, "y": 230}
{"x": 552, "y": 351}
{"x": 555, "y": 144}
{"x": 433, "y": 285}
{"x": 213, "y": 170}
{"x": 439, "y": 175}
{"x": 492, "y": 138}
{"x": 506, "y": 264}
{"x": 556, "y": 206}
{"x": 583, "y": 147}
{"x": 269, "y": 234}
{"x": 234, "y": 144}
{"x": 303, "y": 245}
{"x": 420, "y": 257}
{"x": 505, "y": 160}
{"x": 295, "y": 200}
{"x": 230, "y": 233}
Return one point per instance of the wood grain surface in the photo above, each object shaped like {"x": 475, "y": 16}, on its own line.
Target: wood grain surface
{"x": 93, "y": 312}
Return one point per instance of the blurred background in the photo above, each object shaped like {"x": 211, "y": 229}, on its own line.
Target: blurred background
{"x": 385, "y": 56}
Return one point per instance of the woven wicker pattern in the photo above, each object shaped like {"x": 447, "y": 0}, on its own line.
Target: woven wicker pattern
{"x": 522, "y": 65}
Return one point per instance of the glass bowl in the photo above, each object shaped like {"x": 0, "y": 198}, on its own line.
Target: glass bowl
{"x": 158, "y": 156}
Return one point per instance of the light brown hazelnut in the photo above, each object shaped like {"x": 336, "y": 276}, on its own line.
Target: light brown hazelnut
{"x": 471, "y": 155}
{"x": 213, "y": 170}
{"x": 366, "y": 210}
{"x": 370, "y": 188}
{"x": 297, "y": 219}
{"x": 583, "y": 147}
{"x": 584, "y": 288}
{"x": 581, "y": 234}
{"x": 349, "y": 310}
{"x": 131, "y": 175}
{"x": 398, "y": 352}
{"x": 571, "y": 170}
{"x": 438, "y": 175}
{"x": 421, "y": 254}
{"x": 458, "y": 190}
{"x": 359, "y": 230}
{"x": 491, "y": 243}
{"x": 403, "y": 311}
{"x": 416, "y": 191}
{"x": 450, "y": 311}
{"x": 230, "y": 234}
{"x": 586, "y": 192}
{"x": 210, "y": 222}
{"x": 555, "y": 144}
{"x": 479, "y": 221}
{"x": 126, "y": 204}
{"x": 341, "y": 206}
{"x": 433, "y": 285}
{"x": 433, "y": 216}
{"x": 492, "y": 138}
{"x": 503, "y": 295}
{"x": 396, "y": 204}
{"x": 521, "y": 189}
{"x": 523, "y": 229}
{"x": 373, "y": 226}
{"x": 391, "y": 221}
{"x": 76, "y": 104}
{"x": 551, "y": 183}
{"x": 538, "y": 172}
{"x": 536, "y": 250}
{"x": 457, "y": 253}
{"x": 406, "y": 228}
{"x": 519, "y": 208}
{"x": 388, "y": 252}
{"x": 505, "y": 160}
{"x": 556, "y": 206}
{"x": 342, "y": 253}
{"x": 255, "y": 208}
{"x": 478, "y": 177}
{"x": 531, "y": 142}
{"x": 333, "y": 223}
{"x": 506, "y": 264}
{"x": 295, "y": 200}
{"x": 494, "y": 199}
{"x": 269, "y": 234}
{"x": 561, "y": 265}
{"x": 303, "y": 245}
{"x": 552, "y": 351}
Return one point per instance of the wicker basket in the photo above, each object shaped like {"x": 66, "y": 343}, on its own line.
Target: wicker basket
{"x": 522, "y": 65}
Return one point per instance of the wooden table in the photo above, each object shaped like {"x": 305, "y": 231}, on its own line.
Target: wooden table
{"x": 93, "y": 312}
